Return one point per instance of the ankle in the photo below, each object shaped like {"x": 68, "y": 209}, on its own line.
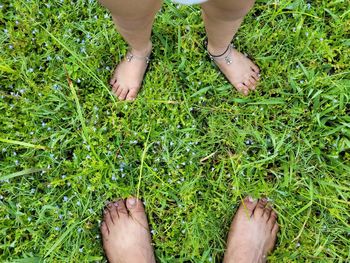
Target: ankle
{"x": 142, "y": 51}
{"x": 216, "y": 50}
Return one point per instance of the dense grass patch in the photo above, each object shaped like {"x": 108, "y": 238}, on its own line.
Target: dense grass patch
{"x": 65, "y": 150}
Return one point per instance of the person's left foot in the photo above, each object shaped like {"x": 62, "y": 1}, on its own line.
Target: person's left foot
{"x": 242, "y": 73}
{"x": 125, "y": 233}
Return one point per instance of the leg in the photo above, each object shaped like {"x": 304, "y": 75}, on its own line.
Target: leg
{"x": 252, "y": 234}
{"x": 134, "y": 22}
{"x": 222, "y": 18}
{"x": 125, "y": 233}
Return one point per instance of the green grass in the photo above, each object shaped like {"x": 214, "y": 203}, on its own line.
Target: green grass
{"x": 65, "y": 150}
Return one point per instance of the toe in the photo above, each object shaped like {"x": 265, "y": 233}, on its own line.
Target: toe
{"x": 113, "y": 212}
{"x": 137, "y": 211}
{"x": 123, "y": 94}
{"x": 107, "y": 218}
{"x": 119, "y": 91}
{"x": 115, "y": 88}
{"x": 104, "y": 229}
{"x": 272, "y": 219}
{"x": 254, "y": 83}
{"x": 112, "y": 81}
{"x": 275, "y": 229}
{"x": 259, "y": 209}
{"x": 121, "y": 208}
{"x": 248, "y": 205}
{"x": 134, "y": 205}
{"x": 113, "y": 78}
{"x": 267, "y": 213}
{"x": 242, "y": 89}
{"x": 132, "y": 94}
{"x": 248, "y": 83}
{"x": 252, "y": 80}
{"x": 255, "y": 76}
{"x": 255, "y": 68}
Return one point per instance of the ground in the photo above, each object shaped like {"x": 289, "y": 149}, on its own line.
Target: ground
{"x": 190, "y": 146}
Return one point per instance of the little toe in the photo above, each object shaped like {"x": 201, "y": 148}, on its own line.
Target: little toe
{"x": 104, "y": 229}
{"x": 272, "y": 219}
{"x": 113, "y": 80}
{"x": 121, "y": 208}
{"x": 259, "y": 210}
{"x": 275, "y": 229}
{"x": 123, "y": 94}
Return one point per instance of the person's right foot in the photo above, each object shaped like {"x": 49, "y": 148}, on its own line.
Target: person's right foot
{"x": 252, "y": 234}
{"x": 129, "y": 73}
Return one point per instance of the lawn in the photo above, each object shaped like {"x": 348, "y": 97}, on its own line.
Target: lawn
{"x": 190, "y": 146}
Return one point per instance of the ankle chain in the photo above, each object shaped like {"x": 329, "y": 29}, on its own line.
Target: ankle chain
{"x": 227, "y": 57}
{"x": 130, "y": 56}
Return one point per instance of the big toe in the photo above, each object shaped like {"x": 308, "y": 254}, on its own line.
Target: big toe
{"x": 134, "y": 205}
{"x": 137, "y": 210}
{"x": 247, "y": 206}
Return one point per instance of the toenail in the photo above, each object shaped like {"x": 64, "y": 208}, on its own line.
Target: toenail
{"x": 132, "y": 202}
{"x": 250, "y": 199}
{"x": 109, "y": 205}
{"x": 264, "y": 200}
{"x": 116, "y": 204}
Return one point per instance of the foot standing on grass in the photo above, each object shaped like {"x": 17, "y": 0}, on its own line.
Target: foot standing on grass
{"x": 126, "y": 236}
{"x": 222, "y": 18}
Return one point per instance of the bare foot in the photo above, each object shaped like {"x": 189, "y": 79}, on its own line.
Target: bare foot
{"x": 242, "y": 73}
{"x": 128, "y": 75}
{"x": 125, "y": 233}
{"x": 253, "y": 233}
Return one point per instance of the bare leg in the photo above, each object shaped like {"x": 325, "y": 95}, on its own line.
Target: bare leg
{"x": 252, "y": 234}
{"x": 222, "y": 18}
{"x": 134, "y": 22}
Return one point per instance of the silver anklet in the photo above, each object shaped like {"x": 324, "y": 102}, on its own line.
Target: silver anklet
{"x": 227, "y": 58}
{"x": 130, "y": 56}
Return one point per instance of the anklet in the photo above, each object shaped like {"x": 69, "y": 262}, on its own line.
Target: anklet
{"x": 130, "y": 56}
{"x": 227, "y": 58}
